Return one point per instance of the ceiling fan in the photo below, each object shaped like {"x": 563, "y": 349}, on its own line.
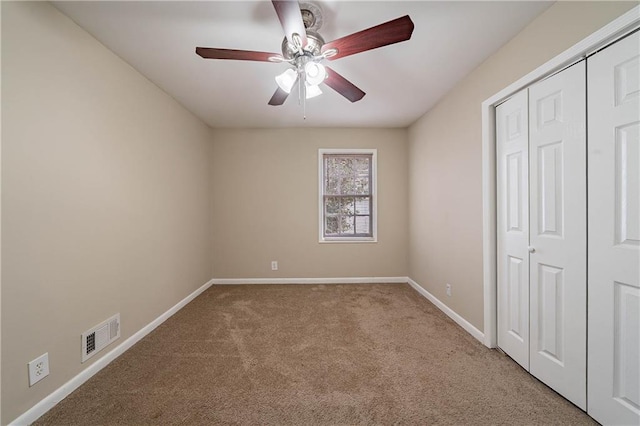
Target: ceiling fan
{"x": 304, "y": 49}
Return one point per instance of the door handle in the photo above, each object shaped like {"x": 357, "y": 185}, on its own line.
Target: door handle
{"x": 531, "y": 249}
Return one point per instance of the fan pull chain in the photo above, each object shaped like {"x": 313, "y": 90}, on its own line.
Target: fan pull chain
{"x": 303, "y": 94}
{"x": 299, "y": 88}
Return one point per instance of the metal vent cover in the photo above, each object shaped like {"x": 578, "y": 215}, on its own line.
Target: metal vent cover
{"x": 97, "y": 338}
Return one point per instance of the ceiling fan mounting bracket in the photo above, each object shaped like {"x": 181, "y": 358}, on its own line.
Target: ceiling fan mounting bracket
{"x": 311, "y": 16}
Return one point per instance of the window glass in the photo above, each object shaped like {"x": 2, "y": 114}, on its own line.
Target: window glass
{"x": 347, "y": 196}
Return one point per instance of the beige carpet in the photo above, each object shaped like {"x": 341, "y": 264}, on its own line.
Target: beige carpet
{"x": 303, "y": 355}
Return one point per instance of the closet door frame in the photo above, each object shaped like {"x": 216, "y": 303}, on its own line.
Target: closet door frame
{"x": 618, "y": 28}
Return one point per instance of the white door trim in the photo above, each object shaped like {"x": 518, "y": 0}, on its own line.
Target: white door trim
{"x": 607, "y": 34}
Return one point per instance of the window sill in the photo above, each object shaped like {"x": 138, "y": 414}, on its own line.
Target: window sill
{"x": 347, "y": 240}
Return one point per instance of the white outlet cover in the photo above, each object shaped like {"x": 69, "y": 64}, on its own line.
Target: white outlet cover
{"x": 38, "y": 369}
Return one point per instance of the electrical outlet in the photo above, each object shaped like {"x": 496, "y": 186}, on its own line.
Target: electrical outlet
{"x": 274, "y": 265}
{"x": 38, "y": 369}
{"x": 448, "y": 289}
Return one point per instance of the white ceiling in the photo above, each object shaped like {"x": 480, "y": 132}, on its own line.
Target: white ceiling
{"x": 402, "y": 81}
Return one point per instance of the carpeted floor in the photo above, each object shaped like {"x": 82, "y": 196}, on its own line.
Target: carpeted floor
{"x": 304, "y": 355}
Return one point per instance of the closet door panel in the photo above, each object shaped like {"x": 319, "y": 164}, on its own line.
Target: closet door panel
{"x": 614, "y": 233}
{"x": 513, "y": 227}
{"x": 557, "y": 165}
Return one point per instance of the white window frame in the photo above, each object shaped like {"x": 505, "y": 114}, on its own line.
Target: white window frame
{"x": 373, "y": 193}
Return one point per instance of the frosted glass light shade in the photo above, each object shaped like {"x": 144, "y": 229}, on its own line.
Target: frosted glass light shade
{"x": 312, "y": 91}
{"x": 286, "y": 80}
{"x": 315, "y": 73}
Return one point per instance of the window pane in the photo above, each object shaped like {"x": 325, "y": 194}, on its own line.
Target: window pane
{"x": 362, "y": 224}
{"x": 362, "y": 175}
{"x": 347, "y": 175}
{"x": 332, "y": 162}
{"x": 332, "y": 175}
{"x": 347, "y": 206}
{"x": 331, "y": 226}
{"x": 362, "y": 205}
{"x": 332, "y": 205}
{"x": 361, "y": 164}
{"x": 346, "y": 225}
{"x": 361, "y": 185}
{"x": 331, "y": 184}
{"x": 347, "y": 185}
{"x": 346, "y": 166}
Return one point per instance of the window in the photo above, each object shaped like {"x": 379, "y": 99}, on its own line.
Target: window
{"x": 347, "y": 195}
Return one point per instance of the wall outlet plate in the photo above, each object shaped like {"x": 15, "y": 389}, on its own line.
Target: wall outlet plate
{"x": 448, "y": 289}
{"x": 38, "y": 369}
{"x": 274, "y": 265}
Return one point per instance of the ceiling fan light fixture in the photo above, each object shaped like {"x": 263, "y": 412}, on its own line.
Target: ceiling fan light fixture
{"x": 287, "y": 79}
{"x": 315, "y": 73}
{"x": 312, "y": 91}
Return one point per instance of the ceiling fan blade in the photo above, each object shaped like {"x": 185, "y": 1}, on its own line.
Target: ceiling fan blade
{"x": 241, "y": 55}
{"x": 343, "y": 86}
{"x": 391, "y": 32}
{"x": 288, "y": 12}
{"x": 278, "y": 97}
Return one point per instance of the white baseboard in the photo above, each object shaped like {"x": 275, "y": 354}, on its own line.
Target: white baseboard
{"x": 469, "y": 328}
{"x": 35, "y": 412}
{"x": 348, "y": 280}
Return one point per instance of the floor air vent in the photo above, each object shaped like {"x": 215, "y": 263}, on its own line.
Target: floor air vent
{"x": 99, "y": 337}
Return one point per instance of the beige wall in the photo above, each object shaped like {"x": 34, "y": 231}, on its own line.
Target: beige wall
{"x": 0, "y": 226}
{"x": 445, "y": 146}
{"x": 105, "y": 198}
{"x": 266, "y": 205}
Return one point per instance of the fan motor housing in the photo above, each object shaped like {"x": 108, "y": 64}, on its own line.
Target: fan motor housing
{"x": 313, "y": 47}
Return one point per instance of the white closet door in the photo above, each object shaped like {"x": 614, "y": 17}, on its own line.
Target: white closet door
{"x": 614, "y": 233}
{"x": 558, "y": 270}
{"x": 512, "y": 161}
